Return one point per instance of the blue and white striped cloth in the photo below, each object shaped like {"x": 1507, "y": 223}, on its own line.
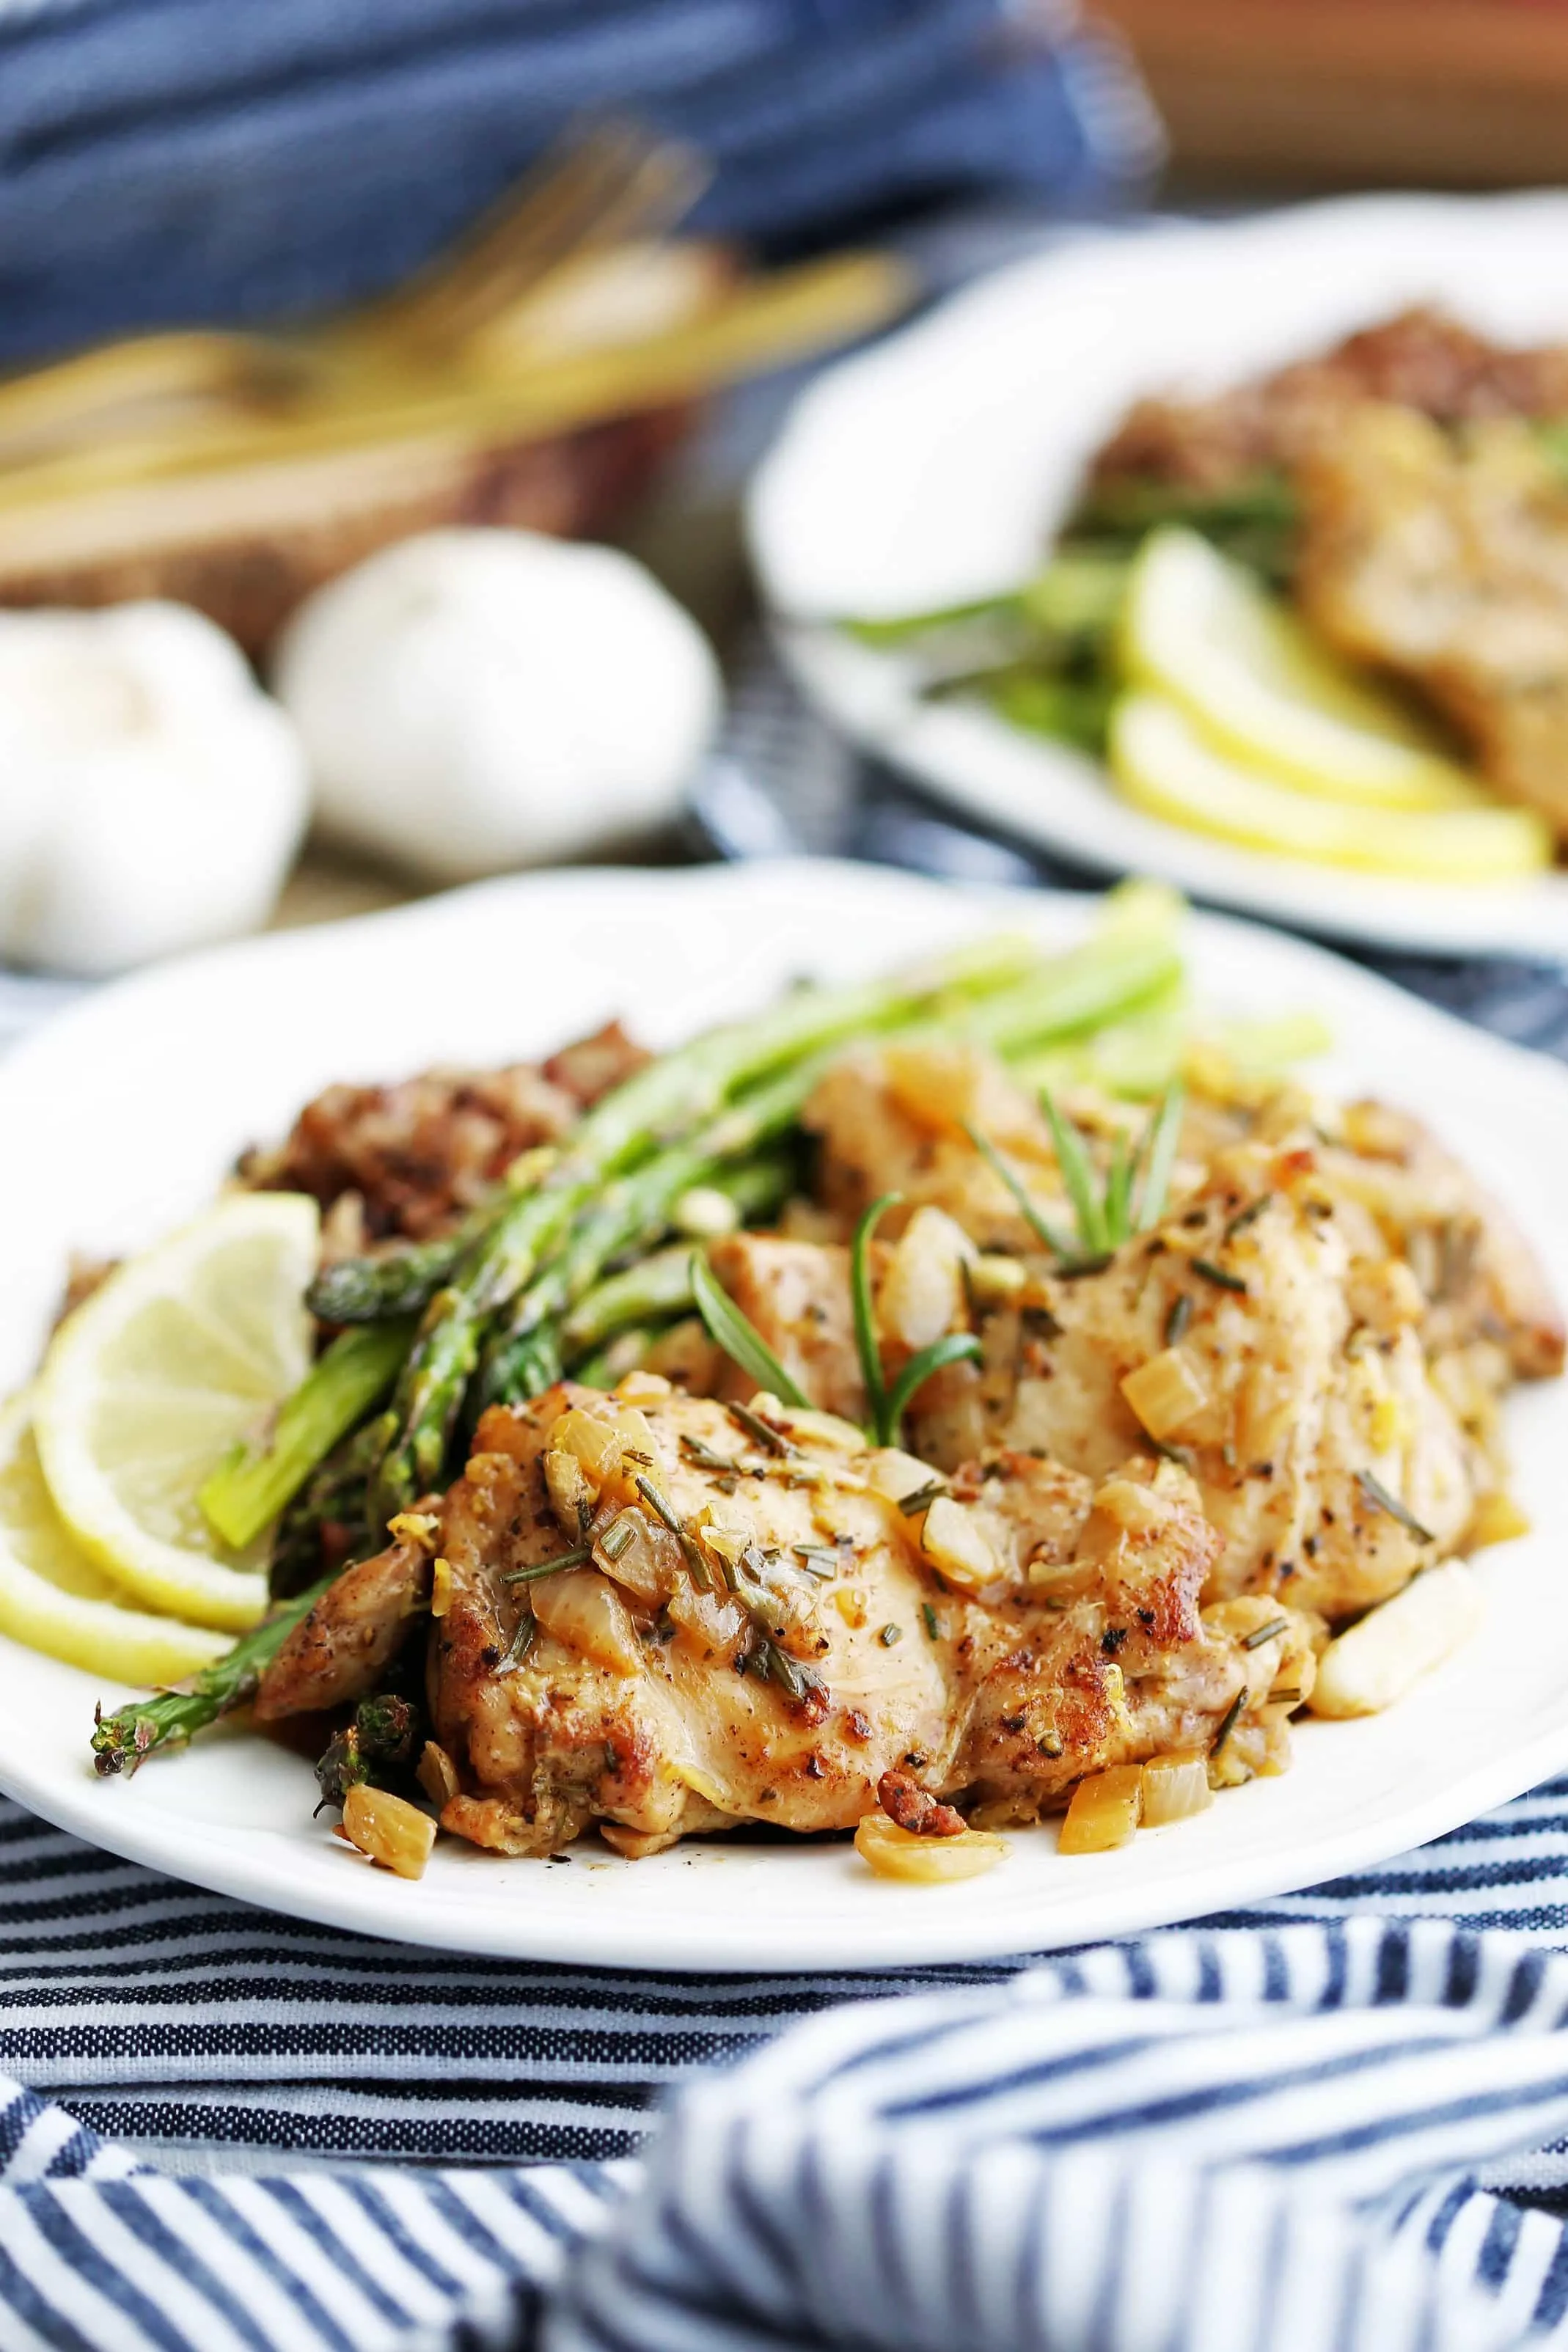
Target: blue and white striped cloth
{"x": 167, "y": 160}
{"x": 1336, "y": 2124}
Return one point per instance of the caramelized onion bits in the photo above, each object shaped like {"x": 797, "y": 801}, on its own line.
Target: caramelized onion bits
{"x": 644, "y": 1560}
{"x": 914, "y": 1809}
{"x": 1105, "y": 1811}
{"x": 958, "y": 1546}
{"x": 584, "y": 1611}
{"x": 714, "y": 1622}
{"x": 1166, "y": 1393}
{"x": 394, "y": 1833}
{"x": 1174, "y": 1788}
{"x": 895, "y": 1852}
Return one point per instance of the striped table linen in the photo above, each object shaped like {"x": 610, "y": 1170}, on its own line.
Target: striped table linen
{"x": 1292, "y": 2130}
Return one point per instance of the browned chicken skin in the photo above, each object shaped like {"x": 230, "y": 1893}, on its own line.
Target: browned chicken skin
{"x": 659, "y": 1707}
{"x": 342, "y": 1648}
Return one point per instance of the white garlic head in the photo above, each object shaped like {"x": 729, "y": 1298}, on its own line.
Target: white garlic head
{"x": 152, "y": 797}
{"x": 473, "y": 701}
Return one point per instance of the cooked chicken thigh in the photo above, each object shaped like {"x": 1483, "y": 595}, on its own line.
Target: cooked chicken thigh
{"x": 754, "y": 1626}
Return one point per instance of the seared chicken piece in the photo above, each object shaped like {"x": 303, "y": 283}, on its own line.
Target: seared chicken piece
{"x": 1421, "y": 358}
{"x": 341, "y": 1649}
{"x": 751, "y": 1627}
{"x": 1448, "y": 564}
{"x": 1479, "y": 1275}
{"x": 1320, "y": 1329}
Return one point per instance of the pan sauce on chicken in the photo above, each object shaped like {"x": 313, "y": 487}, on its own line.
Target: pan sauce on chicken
{"x": 1122, "y": 1534}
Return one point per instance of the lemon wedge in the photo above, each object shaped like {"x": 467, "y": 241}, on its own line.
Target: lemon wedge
{"x": 1164, "y": 765}
{"x": 55, "y": 1599}
{"x": 1199, "y": 629}
{"x": 182, "y": 1354}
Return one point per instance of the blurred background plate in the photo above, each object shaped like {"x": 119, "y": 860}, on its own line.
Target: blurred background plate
{"x": 934, "y": 470}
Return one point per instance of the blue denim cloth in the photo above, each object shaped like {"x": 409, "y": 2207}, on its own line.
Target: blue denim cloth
{"x": 170, "y": 161}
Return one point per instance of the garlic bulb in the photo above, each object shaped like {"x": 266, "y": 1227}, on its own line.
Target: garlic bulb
{"x": 152, "y": 797}
{"x": 471, "y": 700}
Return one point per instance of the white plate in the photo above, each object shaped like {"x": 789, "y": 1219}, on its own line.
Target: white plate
{"x": 935, "y": 467}
{"x": 121, "y": 1116}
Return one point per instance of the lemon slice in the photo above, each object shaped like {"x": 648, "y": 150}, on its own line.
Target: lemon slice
{"x": 1201, "y": 630}
{"x": 182, "y": 1354}
{"x": 1164, "y": 765}
{"x": 54, "y": 1599}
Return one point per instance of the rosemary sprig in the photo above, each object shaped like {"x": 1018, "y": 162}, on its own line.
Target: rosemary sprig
{"x": 1078, "y": 1175}
{"x": 738, "y": 1335}
{"x": 1261, "y": 1633}
{"x": 1378, "y": 1495}
{"x": 662, "y": 1508}
{"x": 1160, "y": 1157}
{"x": 572, "y": 1559}
{"x": 954, "y": 1348}
{"x": 766, "y": 1436}
{"x": 1038, "y": 1223}
{"x": 1227, "y": 1723}
{"x": 865, "y": 1313}
{"x": 1132, "y": 1199}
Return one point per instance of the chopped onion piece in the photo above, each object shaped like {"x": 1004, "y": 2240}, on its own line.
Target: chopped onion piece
{"x": 1166, "y": 1393}
{"x": 1174, "y": 1788}
{"x": 1105, "y": 1810}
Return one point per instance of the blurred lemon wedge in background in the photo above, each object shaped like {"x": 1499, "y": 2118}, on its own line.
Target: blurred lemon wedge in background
{"x": 179, "y": 1355}
{"x": 1199, "y": 629}
{"x": 55, "y": 1599}
{"x": 1166, "y": 766}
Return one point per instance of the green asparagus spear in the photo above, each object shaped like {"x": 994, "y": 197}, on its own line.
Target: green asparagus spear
{"x": 403, "y": 1280}
{"x": 660, "y": 1105}
{"x": 121, "y": 1740}
{"x": 638, "y": 1210}
{"x": 247, "y": 1493}
{"x": 650, "y": 1288}
{"x": 653, "y": 1106}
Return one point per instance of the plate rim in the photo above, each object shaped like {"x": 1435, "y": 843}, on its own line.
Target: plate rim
{"x": 223, "y": 1860}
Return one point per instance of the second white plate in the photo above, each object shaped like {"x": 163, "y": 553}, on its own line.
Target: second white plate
{"x": 935, "y": 467}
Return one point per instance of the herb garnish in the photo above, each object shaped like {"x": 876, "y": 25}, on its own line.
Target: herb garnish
{"x": 663, "y": 1509}
{"x": 572, "y": 1559}
{"x": 1178, "y": 1315}
{"x": 1255, "y": 1639}
{"x": 921, "y": 1498}
{"x": 738, "y": 1335}
{"x": 1245, "y": 1217}
{"x": 1217, "y": 1276}
{"x": 1377, "y": 1494}
{"x": 756, "y": 1427}
{"x": 1228, "y": 1724}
